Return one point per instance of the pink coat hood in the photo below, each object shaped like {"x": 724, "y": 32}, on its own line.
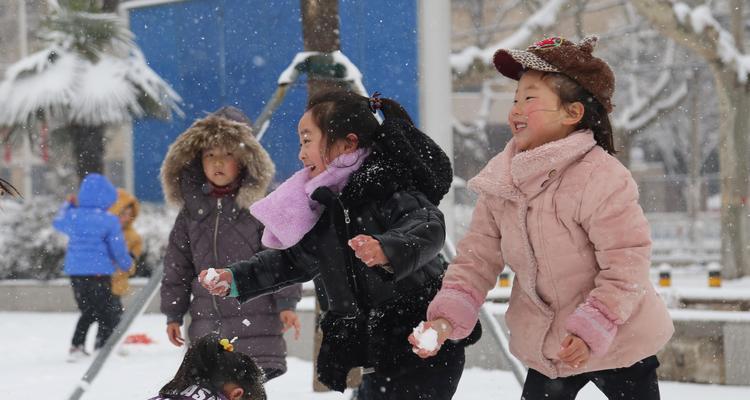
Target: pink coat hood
{"x": 565, "y": 217}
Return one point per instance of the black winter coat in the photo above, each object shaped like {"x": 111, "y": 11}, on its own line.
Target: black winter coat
{"x": 370, "y": 311}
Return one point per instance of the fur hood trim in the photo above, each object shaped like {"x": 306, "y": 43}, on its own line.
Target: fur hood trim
{"x": 216, "y": 131}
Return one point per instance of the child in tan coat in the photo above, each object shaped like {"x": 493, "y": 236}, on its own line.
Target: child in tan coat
{"x": 126, "y": 208}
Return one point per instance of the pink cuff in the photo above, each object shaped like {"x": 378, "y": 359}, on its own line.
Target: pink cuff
{"x": 458, "y": 307}
{"x": 593, "y": 327}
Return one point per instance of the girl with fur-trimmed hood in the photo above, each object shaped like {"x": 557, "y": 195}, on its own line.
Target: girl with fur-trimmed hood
{"x": 214, "y": 172}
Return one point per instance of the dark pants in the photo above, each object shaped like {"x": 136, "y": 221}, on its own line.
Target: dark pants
{"x": 96, "y": 302}
{"x": 430, "y": 381}
{"x": 637, "y": 382}
{"x": 118, "y": 307}
{"x": 272, "y": 373}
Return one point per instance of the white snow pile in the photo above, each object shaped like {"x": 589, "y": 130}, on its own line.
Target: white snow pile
{"x": 353, "y": 74}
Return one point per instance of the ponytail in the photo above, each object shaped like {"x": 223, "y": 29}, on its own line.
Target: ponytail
{"x": 391, "y": 109}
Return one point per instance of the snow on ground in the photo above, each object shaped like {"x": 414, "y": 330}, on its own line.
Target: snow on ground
{"x": 33, "y": 349}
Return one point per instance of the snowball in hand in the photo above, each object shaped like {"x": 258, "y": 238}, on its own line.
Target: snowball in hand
{"x": 427, "y": 339}
{"x": 211, "y": 277}
{"x": 212, "y": 280}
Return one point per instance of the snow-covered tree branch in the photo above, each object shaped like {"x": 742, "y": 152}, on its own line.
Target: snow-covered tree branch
{"x": 699, "y": 30}
{"x": 542, "y": 19}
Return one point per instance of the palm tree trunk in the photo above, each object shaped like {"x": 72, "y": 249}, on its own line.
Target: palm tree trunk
{"x": 88, "y": 149}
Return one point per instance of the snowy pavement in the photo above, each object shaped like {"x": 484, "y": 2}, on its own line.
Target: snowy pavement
{"x": 33, "y": 348}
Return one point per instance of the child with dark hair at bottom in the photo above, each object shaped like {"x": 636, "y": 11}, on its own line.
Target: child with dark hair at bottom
{"x": 212, "y": 370}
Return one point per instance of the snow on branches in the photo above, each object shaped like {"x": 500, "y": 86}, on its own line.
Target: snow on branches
{"x": 542, "y": 19}
{"x": 699, "y": 19}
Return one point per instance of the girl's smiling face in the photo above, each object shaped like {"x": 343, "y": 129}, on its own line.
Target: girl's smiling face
{"x": 314, "y": 153}
{"x": 537, "y": 117}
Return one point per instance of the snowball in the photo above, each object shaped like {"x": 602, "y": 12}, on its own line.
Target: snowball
{"x": 211, "y": 277}
{"x": 427, "y": 339}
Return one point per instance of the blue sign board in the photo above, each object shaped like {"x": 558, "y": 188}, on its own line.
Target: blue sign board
{"x": 231, "y": 52}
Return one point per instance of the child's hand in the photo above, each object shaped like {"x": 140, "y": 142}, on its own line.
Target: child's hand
{"x": 216, "y": 281}
{"x": 368, "y": 250}
{"x": 290, "y": 320}
{"x": 443, "y": 329}
{"x": 73, "y": 200}
{"x": 575, "y": 352}
{"x": 175, "y": 334}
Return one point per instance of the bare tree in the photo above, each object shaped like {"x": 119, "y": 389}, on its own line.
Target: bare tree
{"x": 697, "y": 29}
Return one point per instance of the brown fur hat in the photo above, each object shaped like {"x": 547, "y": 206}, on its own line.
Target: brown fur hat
{"x": 215, "y": 130}
{"x": 556, "y": 54}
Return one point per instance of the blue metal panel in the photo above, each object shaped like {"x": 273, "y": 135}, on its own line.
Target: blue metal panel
{"x": 181, "y": 43}
{"x": 261, "y": 41}
{"x": 381, "y": 39}
{"x": 218, "y": 52}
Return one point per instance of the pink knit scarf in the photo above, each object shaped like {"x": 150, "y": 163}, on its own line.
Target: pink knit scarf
{"x": 288, "y": 213}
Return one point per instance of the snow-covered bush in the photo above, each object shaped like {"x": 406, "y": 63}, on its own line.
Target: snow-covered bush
{"x": 33, "y": 249}
{"x": 153, "y": 224}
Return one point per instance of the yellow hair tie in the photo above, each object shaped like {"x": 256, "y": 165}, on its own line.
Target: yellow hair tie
{"x": 226, "y": 344}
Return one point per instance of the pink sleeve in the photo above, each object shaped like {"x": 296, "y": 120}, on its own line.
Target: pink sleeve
{"x": 472, "y": 274}
{"x": 620, "y": 233}
{"x": 458, "y": 307}
{"x": 593, "y": 326}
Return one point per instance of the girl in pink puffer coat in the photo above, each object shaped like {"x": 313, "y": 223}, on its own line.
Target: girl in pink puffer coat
{"x": 563, "y": 213}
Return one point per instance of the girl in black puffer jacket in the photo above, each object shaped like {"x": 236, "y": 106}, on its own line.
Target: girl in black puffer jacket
{"x": 362, "y": 218}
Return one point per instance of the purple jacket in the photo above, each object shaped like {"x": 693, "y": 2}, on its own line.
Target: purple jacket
{"x": 214, "y": 232}
{"x": 193, "y": 392}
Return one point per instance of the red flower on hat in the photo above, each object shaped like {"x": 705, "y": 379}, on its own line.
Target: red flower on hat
{"x": 554, "y": 41}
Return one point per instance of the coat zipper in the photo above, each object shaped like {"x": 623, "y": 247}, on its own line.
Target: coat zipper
{"x": 216, "y": 255}
{"x": 350, "y": 267}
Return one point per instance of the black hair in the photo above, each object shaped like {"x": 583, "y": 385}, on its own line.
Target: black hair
{"x": 411, "y": 156}
{"x": 595, "y": 116}
{"x": 340, "y": 112}
{"x": 209, "y": 365}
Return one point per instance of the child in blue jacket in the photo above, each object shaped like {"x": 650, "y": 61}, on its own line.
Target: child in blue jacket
{"x": 96, "y": 247}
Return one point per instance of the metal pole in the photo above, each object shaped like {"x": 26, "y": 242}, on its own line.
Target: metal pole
{"x": 131, "y": 313}
{"x": 435, "y": 91}
{"x": 261, "y": 123}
